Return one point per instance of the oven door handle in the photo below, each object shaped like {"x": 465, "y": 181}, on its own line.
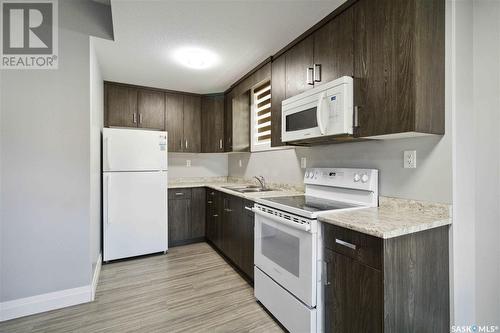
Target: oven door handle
{"x": 299, "y": 226}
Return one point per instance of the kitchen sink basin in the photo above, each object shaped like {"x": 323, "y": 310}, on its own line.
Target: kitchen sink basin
{"x": 247, "y": 188}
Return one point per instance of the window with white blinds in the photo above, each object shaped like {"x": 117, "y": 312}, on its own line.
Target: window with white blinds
{"x": 261, "y": 116}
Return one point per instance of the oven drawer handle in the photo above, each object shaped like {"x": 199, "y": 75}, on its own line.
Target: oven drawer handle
{"x": 303, "y": 227}
{"x": 344, "y": 243}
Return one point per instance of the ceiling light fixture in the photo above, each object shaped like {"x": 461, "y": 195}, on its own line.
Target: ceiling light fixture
{"x": 196, "y": 58}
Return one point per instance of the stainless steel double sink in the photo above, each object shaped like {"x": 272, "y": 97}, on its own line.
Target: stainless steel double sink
{"x": 247, "y": 188}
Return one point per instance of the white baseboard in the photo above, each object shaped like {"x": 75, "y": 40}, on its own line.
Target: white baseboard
{"x": 95, "y": 278}
{"x": 35, "y": 304}
{"x": 50, "y": 301}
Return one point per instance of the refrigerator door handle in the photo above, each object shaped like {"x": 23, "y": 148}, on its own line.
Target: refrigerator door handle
{"x": 107, "y": 200}
{"x": 106, "y": 154}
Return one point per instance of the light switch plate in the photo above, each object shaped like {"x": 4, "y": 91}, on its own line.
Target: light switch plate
{"x": 410, "y": 159}
{"x": 188, "y": 163}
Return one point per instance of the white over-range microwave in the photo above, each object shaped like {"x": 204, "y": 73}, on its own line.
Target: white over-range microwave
{"x": 325, "y": 110}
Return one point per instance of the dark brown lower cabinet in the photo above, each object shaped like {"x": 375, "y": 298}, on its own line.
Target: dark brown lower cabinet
{"x": 246, "y": 239}
{"x": 186, "y": 216}
{"x": 353, "y": 298}
{"x": 214, "y": 217}
{"x": 392, "y": 285}
{"x": 230, "y": 228}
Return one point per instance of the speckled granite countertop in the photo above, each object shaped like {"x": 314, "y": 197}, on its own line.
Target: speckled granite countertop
{"x": 394, "y": 217}
{"x": 218, "y": 183}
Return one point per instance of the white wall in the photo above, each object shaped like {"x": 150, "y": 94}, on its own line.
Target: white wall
{"x": 202, "y": 165}
{"x": 430, "y": 181}
{"x": 486, "y": 88}
{"x": 476, "y": 166}
{"x": 96, "y": 124}
{"x": 46, "y": 163}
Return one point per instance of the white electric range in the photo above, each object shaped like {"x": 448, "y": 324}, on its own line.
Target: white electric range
{"x": 289, "y": 247}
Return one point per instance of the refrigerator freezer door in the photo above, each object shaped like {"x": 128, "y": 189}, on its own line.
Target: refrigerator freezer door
{"x": 135, "y": 213}
{"x": 134, "y": 150}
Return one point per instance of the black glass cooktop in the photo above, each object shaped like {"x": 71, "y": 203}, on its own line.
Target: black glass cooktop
{"x": 309, "y": 204}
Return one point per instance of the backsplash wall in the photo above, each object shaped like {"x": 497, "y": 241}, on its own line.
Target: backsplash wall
{"x": 202, "y": 165}
{"x": 430, "y": 181}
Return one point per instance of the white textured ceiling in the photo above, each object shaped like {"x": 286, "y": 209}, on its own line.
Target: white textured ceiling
{"x": 241, "y": 33}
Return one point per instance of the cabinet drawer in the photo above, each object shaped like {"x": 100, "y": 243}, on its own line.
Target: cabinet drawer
{"x": 364, "y": 248}
{"x": 179, "y": 193}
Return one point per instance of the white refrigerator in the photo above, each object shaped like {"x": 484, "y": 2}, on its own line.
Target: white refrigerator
{"x": 134, "y": 193}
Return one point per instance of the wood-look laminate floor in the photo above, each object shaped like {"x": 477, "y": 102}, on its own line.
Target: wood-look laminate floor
{"x": 191, "y": 289}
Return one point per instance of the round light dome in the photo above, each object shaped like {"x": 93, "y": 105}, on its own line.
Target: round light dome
{"x": 196, "y": 58}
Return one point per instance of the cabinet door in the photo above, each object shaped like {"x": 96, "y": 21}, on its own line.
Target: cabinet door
{"x": 218, "y": 129}
{"x": 198, "y": 213}
{"x": 121, "y": 106}
{"x": 297, "y": 61}
{"x": 179, "y": 216}
{"x": 246, "y": 242}
{"x": 230, "y": 228}
{"x": 278, "y": 94}
{"x": 384, "y": 66}
{"x": 333, "y": 48}
{"x": 207, "y": 124}
{"x": 228, "y": 122}
{"x": 218, "y": 208}
{"x": 192, "y": 124}
{"x": 210, "y": 228}
{"x": 175, "y": 122}
{"x": 353, "y": 297}
{"x": 151, "y": 109}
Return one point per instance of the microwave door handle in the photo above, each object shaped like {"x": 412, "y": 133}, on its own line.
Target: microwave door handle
{"x": 319, "y": 113}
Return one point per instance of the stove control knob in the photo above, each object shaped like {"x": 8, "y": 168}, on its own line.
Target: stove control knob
{"x": 357, "y": 177}
{"x": 364, "y": 178}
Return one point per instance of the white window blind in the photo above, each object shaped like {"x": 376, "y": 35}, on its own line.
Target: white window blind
{"x": 261, "y": 116}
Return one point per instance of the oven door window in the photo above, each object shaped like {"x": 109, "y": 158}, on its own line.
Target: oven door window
{"x": 301, "y": 120}
{"x": 281, "y": 248}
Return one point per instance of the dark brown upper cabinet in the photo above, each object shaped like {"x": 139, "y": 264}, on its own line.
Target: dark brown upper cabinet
{"x": 212, "y": 124}
{"x": 130, "y": 106}
{"x": 399, "y": 66}
{"x": 228, "y": 121}
{"x": 175, "y": 121}
{"x": 299, "y": 67}
{"x": 278, "y": 94}
{"x": 120, "y": 106}
{"x": 333, "y": 48}
{"x": 183, "y": 122}
{"x": 192, "y": 124}
{"x": 151, "y": 109}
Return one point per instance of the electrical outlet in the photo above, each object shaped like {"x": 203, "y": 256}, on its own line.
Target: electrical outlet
{"x": 188, "y": 163}
{"x": 240, "y": 164}
{"x": 303, "y": 162}
{"x": 410, "y": 159}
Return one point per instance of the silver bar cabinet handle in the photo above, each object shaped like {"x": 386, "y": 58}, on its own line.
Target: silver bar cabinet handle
{"x": 248, "y": 208}
{"x": 186, "y": 144}
{"x": 140, "y": 118}
{"x": 317, "y": 72}
{"x": 356, "y": 116}
{"x": 344, "y": 243}
{"x": 220, "y": 143}
{"x": 134, "y": 118}
{"x": 310, "y": 76}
